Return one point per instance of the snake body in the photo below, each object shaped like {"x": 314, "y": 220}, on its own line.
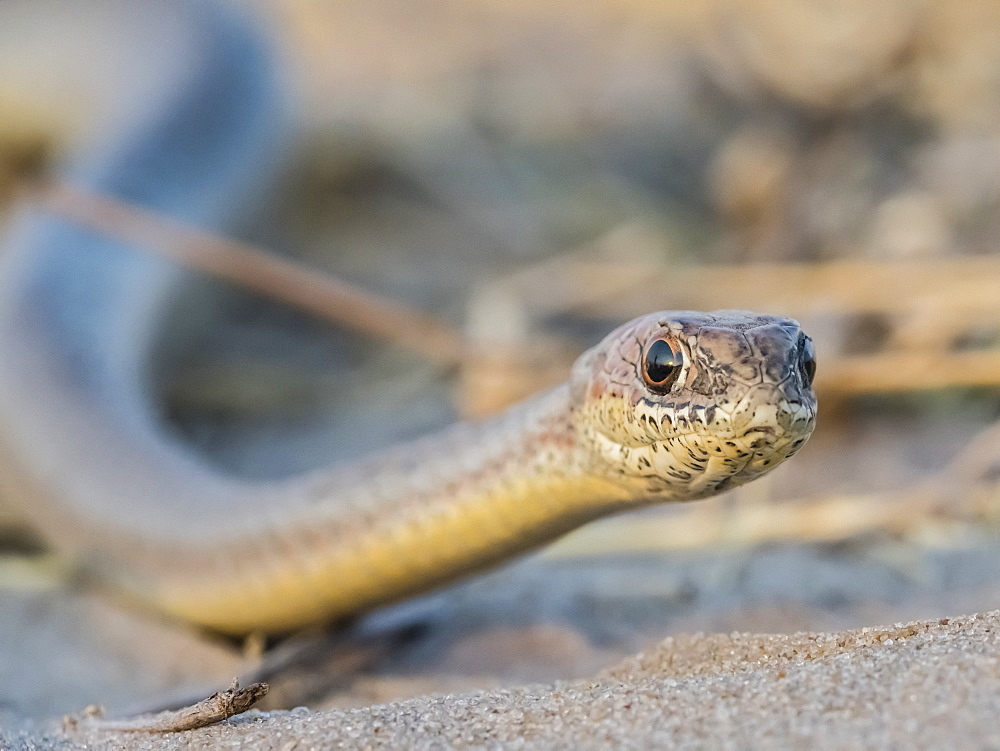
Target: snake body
{"x": 82, "y": 447}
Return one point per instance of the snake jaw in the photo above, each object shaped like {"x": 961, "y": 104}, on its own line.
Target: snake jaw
{"x": 738, "y": 408}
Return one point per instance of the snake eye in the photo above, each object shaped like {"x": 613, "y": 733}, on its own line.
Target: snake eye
{"x": 807, "y": 361}
{"x": 661, "y": 365}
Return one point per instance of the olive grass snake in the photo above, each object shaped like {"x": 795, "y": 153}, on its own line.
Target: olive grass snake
{"x": 673, "y": 406}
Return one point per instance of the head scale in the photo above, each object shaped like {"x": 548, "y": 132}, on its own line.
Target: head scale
{"x": 680, "y": 405}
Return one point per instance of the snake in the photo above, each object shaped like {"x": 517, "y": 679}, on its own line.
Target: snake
{"x": 672, "y": 406}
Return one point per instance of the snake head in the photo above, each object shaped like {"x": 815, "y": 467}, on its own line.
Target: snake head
{"x": 680, "y": 405}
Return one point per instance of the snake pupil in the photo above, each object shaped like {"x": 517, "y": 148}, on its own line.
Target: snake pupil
{"x": 807, "y": 361}
{"x": 661, "y": 365}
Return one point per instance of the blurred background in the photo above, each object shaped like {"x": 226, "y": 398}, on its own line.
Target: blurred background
{"x": 534, "y": 174}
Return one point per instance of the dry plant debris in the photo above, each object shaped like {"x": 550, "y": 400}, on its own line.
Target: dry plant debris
{"x": 216, "y": 708}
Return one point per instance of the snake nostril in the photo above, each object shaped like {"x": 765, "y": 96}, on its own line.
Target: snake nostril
{"x": 807, "y": 360}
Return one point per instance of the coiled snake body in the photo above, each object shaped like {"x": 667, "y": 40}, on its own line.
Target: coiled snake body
{"x": 672, "y": 406}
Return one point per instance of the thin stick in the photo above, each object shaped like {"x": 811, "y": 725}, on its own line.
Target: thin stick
{"x": 570, "y": 283}
{"x": 216, "y": 708}
{"x": 255, "y": 269}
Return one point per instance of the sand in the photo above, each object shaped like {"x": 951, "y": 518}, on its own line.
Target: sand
{"x": 925, "y": 684}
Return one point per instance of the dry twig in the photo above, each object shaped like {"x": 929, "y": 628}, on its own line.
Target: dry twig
{"x": 217, "y": 707}
{"x": 258, "y": 270}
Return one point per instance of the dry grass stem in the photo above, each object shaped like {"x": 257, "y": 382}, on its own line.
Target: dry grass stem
{"x": 262, "y": 272}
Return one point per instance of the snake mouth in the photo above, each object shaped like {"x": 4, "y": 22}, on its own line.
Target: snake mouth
{"x": 763, "y": 435}
{"x": 760, "y": 438}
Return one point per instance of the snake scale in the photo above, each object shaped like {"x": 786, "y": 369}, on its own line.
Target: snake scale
{"x": 672, "y": 406}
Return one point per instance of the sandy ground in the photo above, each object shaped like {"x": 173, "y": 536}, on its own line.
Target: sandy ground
{"x": 537, "y": 656}
{"x": 926, "y": 684}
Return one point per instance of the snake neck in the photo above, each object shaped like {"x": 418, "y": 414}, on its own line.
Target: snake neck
{"x": 399, "y": 523}
{"x": 510, "y": 472}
